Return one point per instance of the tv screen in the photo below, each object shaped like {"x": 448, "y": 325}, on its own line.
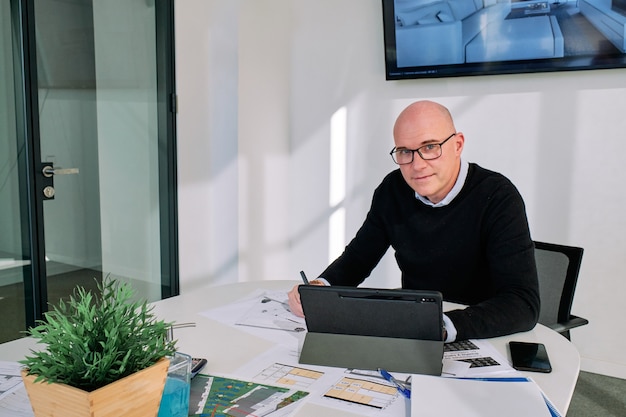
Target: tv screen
{"x": 444, "y": 38}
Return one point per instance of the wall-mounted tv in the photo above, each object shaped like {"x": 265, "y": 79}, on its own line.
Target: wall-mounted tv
{"x": 445, "y": 38}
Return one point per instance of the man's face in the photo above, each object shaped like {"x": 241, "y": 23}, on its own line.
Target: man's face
{"x": 434, "y": 178}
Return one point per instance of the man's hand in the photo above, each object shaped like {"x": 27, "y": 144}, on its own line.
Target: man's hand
{"x": 294, "y": 298}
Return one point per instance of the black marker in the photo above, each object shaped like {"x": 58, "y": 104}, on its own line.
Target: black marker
{"x": 306, "y": 281}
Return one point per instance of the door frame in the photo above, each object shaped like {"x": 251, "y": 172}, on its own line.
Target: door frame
{"x": 35, "y": 283}
{"x": 168, "y": 169}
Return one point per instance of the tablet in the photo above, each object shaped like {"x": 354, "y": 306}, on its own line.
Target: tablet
{"x": 367, "y": 328}
{"x": 406, "y": 314}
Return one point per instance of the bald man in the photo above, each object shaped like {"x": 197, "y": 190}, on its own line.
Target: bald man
{"x": 455, "y": 227}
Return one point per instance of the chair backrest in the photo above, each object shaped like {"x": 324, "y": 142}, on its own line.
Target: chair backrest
{"x": 557, "y": 267}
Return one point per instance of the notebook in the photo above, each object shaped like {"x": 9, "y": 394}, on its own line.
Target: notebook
{"x": 365, "y": 328}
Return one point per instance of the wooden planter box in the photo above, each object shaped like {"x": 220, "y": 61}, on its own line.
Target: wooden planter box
{"x": 137, "y": 395}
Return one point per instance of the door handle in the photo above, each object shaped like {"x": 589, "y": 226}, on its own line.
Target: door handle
{"x": 48, "y": 171}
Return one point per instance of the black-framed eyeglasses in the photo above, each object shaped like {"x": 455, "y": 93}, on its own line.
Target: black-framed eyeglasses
{"x": 404, "y": 156}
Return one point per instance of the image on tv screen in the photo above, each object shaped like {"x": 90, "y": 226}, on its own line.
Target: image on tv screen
{"x": 443, "y": 38}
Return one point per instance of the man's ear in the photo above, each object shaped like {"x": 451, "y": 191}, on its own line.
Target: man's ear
{"x": 459, "y": 142}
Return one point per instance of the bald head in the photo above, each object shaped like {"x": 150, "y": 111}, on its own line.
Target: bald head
{"x": 423, "y": 116}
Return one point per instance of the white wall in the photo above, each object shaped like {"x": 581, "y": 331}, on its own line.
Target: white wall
{"x": 258, "y": 83}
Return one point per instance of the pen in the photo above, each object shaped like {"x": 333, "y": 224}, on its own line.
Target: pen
{"x": 497, "y": 379}
{"x": 303, "y": 275}
{"x": 403, "y": 390}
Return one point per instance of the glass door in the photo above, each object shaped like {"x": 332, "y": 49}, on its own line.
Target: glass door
{"x": 98, "y": 183}
{"x": 15, "y": 252}
{"x": 68, "y": 177}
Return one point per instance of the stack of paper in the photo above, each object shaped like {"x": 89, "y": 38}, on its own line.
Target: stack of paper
{"x": 487, "y": 397}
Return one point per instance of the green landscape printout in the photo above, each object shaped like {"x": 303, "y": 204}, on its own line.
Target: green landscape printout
{"x": 214, "y": 396}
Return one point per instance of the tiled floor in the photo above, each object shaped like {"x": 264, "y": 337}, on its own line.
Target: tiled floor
{"x": 598, "y": 395}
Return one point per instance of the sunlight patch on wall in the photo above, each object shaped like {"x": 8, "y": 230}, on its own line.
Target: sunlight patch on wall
{"x": 336, "y": 234}
{"x": 337, "y": 186}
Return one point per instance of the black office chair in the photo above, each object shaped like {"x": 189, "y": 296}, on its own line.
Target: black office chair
{"x": 557, "y": 268}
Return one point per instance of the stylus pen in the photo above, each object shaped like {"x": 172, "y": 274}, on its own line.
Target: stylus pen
{"x": 496, "y": 379}
{"x": 403, "y": 390}
{"x": 304, "y": 279}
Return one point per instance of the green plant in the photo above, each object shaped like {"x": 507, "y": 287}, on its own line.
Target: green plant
{"x": 92, "y": 341}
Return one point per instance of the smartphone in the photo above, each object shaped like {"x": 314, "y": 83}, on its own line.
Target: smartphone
{"x": 530, "y": 357}
{"x": 196, "y": 365}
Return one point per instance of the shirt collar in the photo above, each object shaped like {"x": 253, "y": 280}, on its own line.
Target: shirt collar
{"x": 458, "y": 185}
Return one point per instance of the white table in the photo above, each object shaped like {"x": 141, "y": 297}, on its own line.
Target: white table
{"x": 226, "y": 348}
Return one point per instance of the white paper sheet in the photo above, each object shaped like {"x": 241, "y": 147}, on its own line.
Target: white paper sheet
{"x": 14, "y": 400}
{"x": 443, "y": 397}
{"x": 264, "y": 314}
{"x": 473, "y": 358}
{"x": 363, "y": 393}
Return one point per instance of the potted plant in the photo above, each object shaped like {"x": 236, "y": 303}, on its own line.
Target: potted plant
{"x": 105, "y": 355}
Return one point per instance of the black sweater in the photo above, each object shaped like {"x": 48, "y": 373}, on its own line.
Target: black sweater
{"x": 477, "y": 250}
